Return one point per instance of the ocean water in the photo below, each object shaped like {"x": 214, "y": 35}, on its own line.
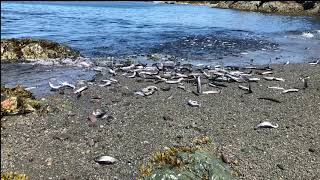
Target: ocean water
{"x": 191, "y": 33}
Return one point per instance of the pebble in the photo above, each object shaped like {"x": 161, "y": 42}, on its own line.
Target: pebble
{"x": 167, "y": 118}
{"x": 311, "y": 149}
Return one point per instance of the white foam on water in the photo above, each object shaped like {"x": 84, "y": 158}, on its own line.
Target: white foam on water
{"x": 307, "y": 35}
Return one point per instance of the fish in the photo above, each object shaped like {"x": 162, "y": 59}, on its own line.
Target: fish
{"x": 113, "y": 72}
{"x": 105, "y": 160}
{"x": 199, "y": 88}
{"x": 211, "y": 92}
{"x": 275, "y": 87}
{"x": 290, "y": 90}
{"x": 62, "y": 84}
{"x": 126, "y": 68}
{"x": 133, "y": 75}
{"x": 244, "y": 88}
{"x": 270, "y": 99}
{"x": 80, "y": 89}
{"x": 253, "y": 79}
{"x": 273, "y": 78}
{"x": 174, "y": 82}
{"x": 98, "y": 113}
{"x": 267, "y": 72}
{"x": 266, "y": 124}
{"x": 193, "y": 103}
{"x": 314, "y": 63}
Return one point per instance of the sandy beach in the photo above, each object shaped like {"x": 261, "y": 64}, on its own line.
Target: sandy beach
{"x": 64, "y": 143}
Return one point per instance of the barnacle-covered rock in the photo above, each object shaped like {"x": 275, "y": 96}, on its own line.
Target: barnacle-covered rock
{"x": 33, "y": 49}
{"x": 18, "y": 100}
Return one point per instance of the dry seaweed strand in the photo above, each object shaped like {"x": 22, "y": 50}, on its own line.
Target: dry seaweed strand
{"x": 13, "y": 176}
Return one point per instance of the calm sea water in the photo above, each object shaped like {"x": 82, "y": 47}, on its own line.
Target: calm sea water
{"x": 193, "y": 33}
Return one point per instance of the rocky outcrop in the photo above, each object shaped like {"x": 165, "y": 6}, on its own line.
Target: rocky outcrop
{"x": 33, "y": 49}
{"x": 280, "y": 7}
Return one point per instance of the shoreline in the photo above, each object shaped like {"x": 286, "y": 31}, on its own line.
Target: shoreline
{"x": 64, "y": 143}
{"x": 273, "y": 7}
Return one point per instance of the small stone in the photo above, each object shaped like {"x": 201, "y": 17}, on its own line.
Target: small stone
{"x": 280, "y": 166}
{"x": 91, "y": 142}
{"x": 225, "y": 158}
{"x": 311, "y": 149}
{"x": 167, "y": 118}
{"x": 49, "y": 161}
{"x": 166, "y": 88}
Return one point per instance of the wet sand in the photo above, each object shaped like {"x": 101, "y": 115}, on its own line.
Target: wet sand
{"x": 63, "y": 144}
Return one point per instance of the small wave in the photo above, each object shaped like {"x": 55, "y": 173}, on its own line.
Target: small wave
{"x": 307, "y": 35}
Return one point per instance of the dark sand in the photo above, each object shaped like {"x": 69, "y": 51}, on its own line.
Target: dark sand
{"x": 63, "y": 143}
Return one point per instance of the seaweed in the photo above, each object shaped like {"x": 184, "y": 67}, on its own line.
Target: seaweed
{"x": 13, "y": 176}
{"x": 186, "y": 162}
{"x": 18, "y": 100}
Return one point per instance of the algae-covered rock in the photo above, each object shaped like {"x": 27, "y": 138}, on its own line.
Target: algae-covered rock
{"x": 33, "y": 49}
{"x": 186, "y": 162}
{"x": 18, "y": 100}
{"x": 13, "y": 176}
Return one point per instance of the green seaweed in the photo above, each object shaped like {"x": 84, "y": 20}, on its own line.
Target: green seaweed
{"x": 186, "y": 162}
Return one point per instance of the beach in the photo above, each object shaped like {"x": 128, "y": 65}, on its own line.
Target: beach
{"x": 64, "y": 143}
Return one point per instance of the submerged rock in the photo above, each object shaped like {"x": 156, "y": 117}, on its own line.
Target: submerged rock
{"x": 32, "y": 49}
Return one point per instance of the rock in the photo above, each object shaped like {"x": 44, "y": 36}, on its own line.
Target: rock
{"x": 246, "y": 5}
{"x": 281, "y": 7}
{"x": 33, "y": 49}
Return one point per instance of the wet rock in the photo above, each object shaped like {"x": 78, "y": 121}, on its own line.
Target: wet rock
{"x": 31, "y": 49}
{"x": 311, "y": 149}
{"x": 246, "y": 5}
{"x": 167, "y": 118}
{"x": 281, "y": 7}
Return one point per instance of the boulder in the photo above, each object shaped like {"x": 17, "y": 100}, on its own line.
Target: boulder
{"x": 246, "y": 5}
{"x": 33, "y": 49}
{"x": 281, "y": 7}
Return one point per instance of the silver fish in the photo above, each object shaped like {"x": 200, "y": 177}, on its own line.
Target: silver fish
{"x": 266, "y": 124}
{"x": 290, "y": 90}
{"x": 211, "y": 92}
{"x": 105, "y": 160}
{"x": 267, "y": 72}
{"x": 174, "y": 82}
{"x": 199, "y": 88}
{"x": 193, "y": 103}
{"x": 314, "y": 63}
{"x": 275, "y": 87}
{"x": 113, "y": 72}
{"x": 254, "y": 79}
{"x": 133, "y": 75}
{"x": 244, "y": 88}
{"x": 127, "y": 67}
{"x": 80, "y": 89}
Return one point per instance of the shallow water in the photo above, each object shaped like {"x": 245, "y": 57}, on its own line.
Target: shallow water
{"x": 196, "y": 34}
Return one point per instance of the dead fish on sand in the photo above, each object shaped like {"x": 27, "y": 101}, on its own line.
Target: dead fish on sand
{"x": 98, "y": 113}
{"x": 174, "y": 82}
{"x": 193, "y": 103}
{"x": 290, "y": 90}
{"x": 211, "y": 92}
{"x": 80, "y": 90}
{"x": 61, "y": 84}
{"x": 105, "y": 160}
{"x": 113, "y": 72}
{"x": 275, "y": 87}
{"x": 199, "y": 89}
{"x": 266, "y": 124}
{"x": 273, "y": 78}
{"x": 246, "y": 88}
